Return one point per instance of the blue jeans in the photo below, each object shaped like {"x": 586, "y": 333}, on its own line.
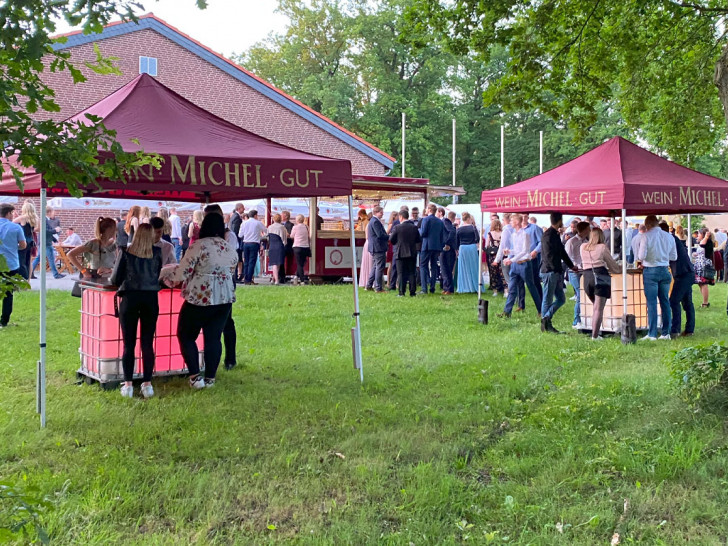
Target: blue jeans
{"x": 177, "y": 249}
{"x": 553, "y": 293}
{"x": 521, "y": 275}
{"x": 682, "y": 294}
{"x": 429, "y": 272}
{"x": 574, "y": 281}
{"x": 250, "y": 253}
{"x": 657, "y": 287}
{"x": 50, "y": 256}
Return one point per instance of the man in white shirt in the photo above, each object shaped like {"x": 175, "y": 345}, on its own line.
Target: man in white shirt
{"x": 168, "y": 250}
{"x": 519, "y": 261}
{"x": 656, "y": 250}
{"x": 176, "y": 234}
{"x": 573, "y": 249}
{"x": 72, "y": 238}
{"x": 251, "y": 232}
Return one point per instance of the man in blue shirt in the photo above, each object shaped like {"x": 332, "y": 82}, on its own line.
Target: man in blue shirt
{"x": 535, "y": 234}
{"x": 12, "y": 239}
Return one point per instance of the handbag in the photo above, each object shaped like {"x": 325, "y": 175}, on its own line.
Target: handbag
{"x": 601, "y": 278}
{"x": 77, "y": 291}
{"x": 491, "y": 249}
{"x": 709, "y": 270}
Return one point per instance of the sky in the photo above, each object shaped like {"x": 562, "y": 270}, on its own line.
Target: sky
{"x": 226, "y": 26}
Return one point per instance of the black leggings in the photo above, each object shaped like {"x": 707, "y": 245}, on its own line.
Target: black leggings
{"x": 301, "y": 253}
{"x": 211, "y": 319}
{"x": 138, "y": 306}
{"x": 230, "y": 339}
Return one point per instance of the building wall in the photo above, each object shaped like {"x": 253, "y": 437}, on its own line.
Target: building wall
{"x": 203, "y": 84}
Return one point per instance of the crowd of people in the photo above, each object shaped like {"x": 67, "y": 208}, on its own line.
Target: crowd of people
{"x": 439, "y": 246}
{"x": 213, "y": 252}
{"x": 141, "y": 251}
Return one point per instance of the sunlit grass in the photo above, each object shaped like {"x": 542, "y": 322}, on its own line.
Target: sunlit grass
{"x": 460, "y": 431}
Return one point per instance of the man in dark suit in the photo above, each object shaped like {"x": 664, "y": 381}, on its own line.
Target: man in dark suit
{"x": 236, "y": 218}
{"x": 432, "y": 230}
{"x": 683, "y": 277}
{"x": 290, "y": 259}
{"x": 404, "y": 238}
{"x": 447, "y": 256}
{"x": 392, "y": 280}
{"x": 122, "y": 239}
{"x": 378, "y": 239}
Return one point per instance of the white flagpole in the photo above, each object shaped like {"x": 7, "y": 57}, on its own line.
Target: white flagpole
{"x": 454, "y": 197}
{"x": 356, "y": 333}
{"x": 540, "y": 152}
{"x": 502, "y": 160}
{"x": 403, "y": 146}
{"x": 41, "y": 387}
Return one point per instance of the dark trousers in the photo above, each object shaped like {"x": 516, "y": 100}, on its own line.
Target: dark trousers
{"x": 392, "y": 280}
{"x": 211, "y": 319}
{"x": 428, "y": 269}
{"x": 250, "y": 251}
{"x": 24, "y": 258}
{"x": 240, "y": 261}
{"x": 301, "y": 253}
{"x": 379, "y": 262}
{"x": 407, "y": 267}
{"x": 447, "y": 266}
{"x": 536, "y": 272}
{"x": 135, "y": 307}
{"x": 682, "y": 294}
{"x": 7, "y": 300}
{"x": 230, "y": 339}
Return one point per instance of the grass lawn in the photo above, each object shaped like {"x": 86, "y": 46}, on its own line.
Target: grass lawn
{"x": 491, "y": 434}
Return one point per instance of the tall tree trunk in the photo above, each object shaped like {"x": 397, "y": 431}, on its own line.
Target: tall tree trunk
{"x": 720, "y": 78}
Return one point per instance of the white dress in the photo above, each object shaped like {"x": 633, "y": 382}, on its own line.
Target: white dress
{"x": 366, "y": 263}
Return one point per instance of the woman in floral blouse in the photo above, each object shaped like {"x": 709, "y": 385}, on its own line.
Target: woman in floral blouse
{"x": 206, "y": 274}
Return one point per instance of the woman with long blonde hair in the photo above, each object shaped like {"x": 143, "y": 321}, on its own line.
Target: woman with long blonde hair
{"x": 28, "y": 220}
{"x": 145, "y": 215}
{"x": 99, "y": 254}
{"x": 598, "y": 263}
{"x": 132, "y": 222}
{"x": 366, "y": 258}
{"x": 136, "y": 273}
{"x": 167, "y": 229}
{"x": 194, "y": 230}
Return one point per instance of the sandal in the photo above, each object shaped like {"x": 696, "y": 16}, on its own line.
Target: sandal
{"x": 705, "y": 305}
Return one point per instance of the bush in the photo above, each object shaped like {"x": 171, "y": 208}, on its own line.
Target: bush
{"x": 20, "y": 511}
{"x": 697, "y": 370}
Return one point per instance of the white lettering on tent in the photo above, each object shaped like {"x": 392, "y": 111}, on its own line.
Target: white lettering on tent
{"x": 149, "y": 174}
{"x": 657, "y": 197}
{"x": 211, "y": 173}
{"x": 592, "y": 197}
{"x": 704, "y": 198}
{"x": 551, "y": 199}
{"x": 189, "y": 170}
{"x": 292, "y": 177}
{"x": 510, "y": 201}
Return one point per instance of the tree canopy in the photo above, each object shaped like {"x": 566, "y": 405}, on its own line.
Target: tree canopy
{"x": 62, "y": 152}
{"x": 657, "y": 61}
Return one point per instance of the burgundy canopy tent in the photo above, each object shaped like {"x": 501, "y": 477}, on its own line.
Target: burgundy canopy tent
{"x": 205, "y": 158}
{"x": 614, "y": 179}
{"x": 616, "y": 176}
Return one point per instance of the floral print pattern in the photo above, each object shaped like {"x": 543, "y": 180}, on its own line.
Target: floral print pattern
{"x": 206, "y": 272}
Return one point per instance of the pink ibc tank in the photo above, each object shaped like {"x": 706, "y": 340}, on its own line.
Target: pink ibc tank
{"x": 101, "y": 341}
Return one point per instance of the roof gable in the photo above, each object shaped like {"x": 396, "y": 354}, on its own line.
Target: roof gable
{"x": 149, "y": 21}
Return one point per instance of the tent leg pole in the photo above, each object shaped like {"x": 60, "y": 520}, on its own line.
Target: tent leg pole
{"x": 480, "y": 254}
{"x": 356, "y": 338}
{"x": 690, "y": 235}
{"x": 41, "y": 404}
{"x": 624, "y": 261}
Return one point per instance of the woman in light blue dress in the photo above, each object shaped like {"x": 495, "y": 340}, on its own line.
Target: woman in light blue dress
{"x": 467, "y": 251}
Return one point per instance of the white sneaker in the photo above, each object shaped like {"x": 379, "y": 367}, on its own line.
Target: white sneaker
{"x": 598, "y": 338}
{"x": 495, "y": 294}
{"x": 209, "y": 383}
{"x": 147, "y": 391}
{"x": 572, "y": 298}
{"x": 576, "y": 326}
{"x": 127, "y": 391}
{"x": 649, "y": 338}
{"x": 666, "y": 336}
{"x": 197, "y": 383}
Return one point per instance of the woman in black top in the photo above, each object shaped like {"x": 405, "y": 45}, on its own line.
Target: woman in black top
{"x": 136, "y": 273}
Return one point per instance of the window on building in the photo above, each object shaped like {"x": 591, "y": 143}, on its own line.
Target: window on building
{"x": 148, "y": 65}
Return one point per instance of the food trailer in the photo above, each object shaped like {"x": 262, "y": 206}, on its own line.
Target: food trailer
{"x": 331, "y": 240}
